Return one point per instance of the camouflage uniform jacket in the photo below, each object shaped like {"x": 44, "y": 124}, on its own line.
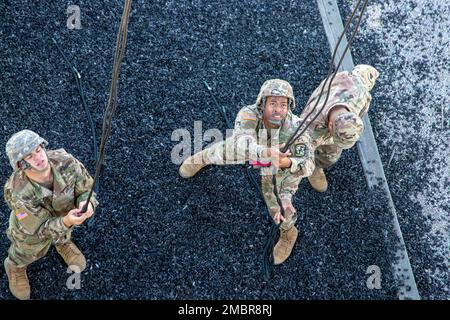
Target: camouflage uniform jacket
{"x": 37, "y": 212}
{"x": 250, "y": 134}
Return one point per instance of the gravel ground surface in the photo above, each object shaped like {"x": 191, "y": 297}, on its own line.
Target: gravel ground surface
{"x": 161, "y": 237}
{"x": 408, "y": 41}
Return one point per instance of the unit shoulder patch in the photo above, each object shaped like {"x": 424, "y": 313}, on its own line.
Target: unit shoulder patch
{"x": 300, "y": 150}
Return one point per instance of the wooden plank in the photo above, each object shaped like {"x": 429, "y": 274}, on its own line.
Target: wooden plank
{"x": 368, "y": 152}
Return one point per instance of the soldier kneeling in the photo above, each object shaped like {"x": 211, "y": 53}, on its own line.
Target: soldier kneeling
{"x": 259, "y": 130}
{"x": 46, "y": 193}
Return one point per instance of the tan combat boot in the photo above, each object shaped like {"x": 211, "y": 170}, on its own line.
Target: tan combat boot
{"x": 318, "y": 180}
{"x": 194, "y": 164}
{"x": 72, "y": 256}
{"x": 283, "y": 248}
{"x": 18, "y": 280}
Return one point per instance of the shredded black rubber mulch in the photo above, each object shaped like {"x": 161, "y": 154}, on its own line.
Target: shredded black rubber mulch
{"x": 159, "y": 236}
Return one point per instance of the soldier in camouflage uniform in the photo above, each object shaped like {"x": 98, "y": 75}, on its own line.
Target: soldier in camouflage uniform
{"x": 340, "y": 124}
{"x": 45, "y": 192}
{"x": 259, "y": 130}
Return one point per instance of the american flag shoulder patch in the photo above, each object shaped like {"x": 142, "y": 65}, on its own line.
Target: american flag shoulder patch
{"x": 249, "y": 116}
{"x": 21, "y": 215}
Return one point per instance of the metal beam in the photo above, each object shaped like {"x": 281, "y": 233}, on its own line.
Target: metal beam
{"x": 368, "y": 152}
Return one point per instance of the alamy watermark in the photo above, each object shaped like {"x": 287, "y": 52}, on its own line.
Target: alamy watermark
{"x": 74, "y": 19}
{"x": 236, "y": 147}
{"x": 374, "y": 281}
{"x": 74, "y": 280}
{"x": 183, "y": 149}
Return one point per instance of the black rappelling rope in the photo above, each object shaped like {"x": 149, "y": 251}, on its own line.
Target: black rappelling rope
{"x": 220, "y": 108}
{"x": 79, "y": 83}
{"x": 112, "y": 100}
{"x": 268, "y": 248}
{"x": 330, "y": 73}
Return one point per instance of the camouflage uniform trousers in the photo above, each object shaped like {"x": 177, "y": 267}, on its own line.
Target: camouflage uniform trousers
{"x": 327, "y": 155}
{"x": 287, "y": 185}
{"x": 26, "y": 249}
{"x": 224, "y": 153}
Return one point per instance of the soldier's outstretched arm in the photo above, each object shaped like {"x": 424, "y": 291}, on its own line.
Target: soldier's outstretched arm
{"x": 245, "y": 138}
